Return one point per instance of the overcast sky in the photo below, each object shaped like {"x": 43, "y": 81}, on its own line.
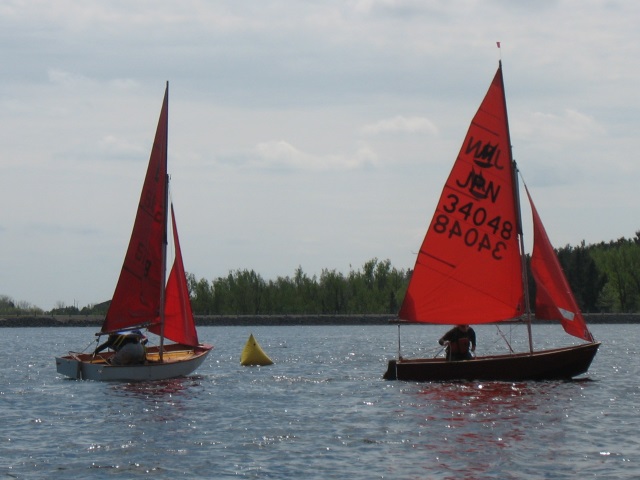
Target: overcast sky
{"x": 311, "y": 134}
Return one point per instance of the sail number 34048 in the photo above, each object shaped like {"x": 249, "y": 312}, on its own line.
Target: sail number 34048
{"x": 474, "y": 217}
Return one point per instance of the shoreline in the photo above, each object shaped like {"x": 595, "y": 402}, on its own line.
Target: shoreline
{"x": 271, "y": 320}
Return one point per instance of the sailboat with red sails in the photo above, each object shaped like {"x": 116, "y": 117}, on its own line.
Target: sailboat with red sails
{"x": 144, "y": 297}
{"x": 472, "y": 268}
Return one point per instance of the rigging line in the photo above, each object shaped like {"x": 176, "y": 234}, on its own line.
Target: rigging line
{"x": 505, "y": 339}
{"x": 97, "y": 340}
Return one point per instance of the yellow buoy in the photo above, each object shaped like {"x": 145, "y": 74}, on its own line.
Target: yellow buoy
{"x": 252, "y": 354}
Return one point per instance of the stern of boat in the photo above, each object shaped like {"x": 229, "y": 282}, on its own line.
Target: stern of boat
{"x": 69, "y": 366}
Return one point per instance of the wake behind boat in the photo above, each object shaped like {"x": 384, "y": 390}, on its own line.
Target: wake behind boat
{"x": 472, "y": 269}
{"x": 144, "y": 297}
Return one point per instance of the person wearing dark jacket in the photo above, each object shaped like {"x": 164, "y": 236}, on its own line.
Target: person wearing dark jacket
{"x": 128, "y": 347}
{"x": 460, "y": 342}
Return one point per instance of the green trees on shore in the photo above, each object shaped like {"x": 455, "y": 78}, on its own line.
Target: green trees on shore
{"x": 605, "y": 277}
{"x": 377, "y": 288}
{"x": 619, "y": 262}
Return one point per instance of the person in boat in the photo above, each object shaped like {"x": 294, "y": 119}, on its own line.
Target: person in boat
{"x": 460, "y": 342}
{"x": 128, "y": 347}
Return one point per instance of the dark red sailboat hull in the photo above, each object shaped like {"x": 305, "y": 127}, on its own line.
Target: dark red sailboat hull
{"x": 557, "y": 364}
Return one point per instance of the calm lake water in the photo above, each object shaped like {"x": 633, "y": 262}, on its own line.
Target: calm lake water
{"x": 322, "y": 411}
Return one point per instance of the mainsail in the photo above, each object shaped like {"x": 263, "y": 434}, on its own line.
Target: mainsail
{"x": 469, "y": 268}
{"x": 137, "y": 296}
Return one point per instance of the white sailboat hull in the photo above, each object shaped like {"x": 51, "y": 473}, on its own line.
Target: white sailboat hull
{"x": 178, "y": 361}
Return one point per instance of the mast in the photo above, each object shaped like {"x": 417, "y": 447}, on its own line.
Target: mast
{"x": 523, "y": 259}
{"x": 163, "y": 269}
{"x": 516, "y": 193}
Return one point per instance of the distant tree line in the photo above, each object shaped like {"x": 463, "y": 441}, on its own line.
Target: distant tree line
{"x": 8, "y": 306}
{"x": 377, "y": 288}
{"x": 605, "y": 277}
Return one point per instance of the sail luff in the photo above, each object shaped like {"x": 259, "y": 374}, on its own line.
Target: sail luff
{"x": 166, "y": 219}
{"x": 518, "y": 212}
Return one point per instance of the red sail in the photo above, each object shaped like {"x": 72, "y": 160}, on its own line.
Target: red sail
{"x": 554, "y": 298}
{"x": 179, "y": 325}
{"x": 136, "y": 299}
{"x": 469, "y": 269}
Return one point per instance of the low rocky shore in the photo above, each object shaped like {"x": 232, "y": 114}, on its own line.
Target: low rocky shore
{"x": 266, "y": 320}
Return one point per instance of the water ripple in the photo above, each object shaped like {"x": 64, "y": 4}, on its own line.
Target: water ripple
{"x": 322, "y": 411}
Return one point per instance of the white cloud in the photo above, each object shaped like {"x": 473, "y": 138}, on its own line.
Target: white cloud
{"x": 401, "y": 124}
{"x": 125, "y": 83}
{"x": 568, "y": 126}
{"x": 67, "y": 79}
{"x": 114, "y": 145}
{"x": 280, "y": 155}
